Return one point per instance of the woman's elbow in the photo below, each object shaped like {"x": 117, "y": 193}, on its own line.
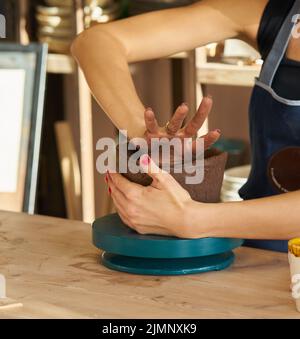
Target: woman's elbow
{"x": 84, "y": 40}
{"x": 79, "y": 44}
{"x": 99, "y": 35}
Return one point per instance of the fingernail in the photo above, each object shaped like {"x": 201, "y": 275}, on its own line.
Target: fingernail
{"x": 184, "y": 104}
{"x": 218, "y": 130}
{"x": 209, "y": 96}
{"x": 149, "y": 109}
{"x": 109, "y": 190}
{"x": 145, "y": 159}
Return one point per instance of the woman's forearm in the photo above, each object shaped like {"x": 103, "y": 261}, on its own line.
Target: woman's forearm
{"x": 276, "y": 217}
{"x": 108, "y": 75}
{"x": 105, "y": 50}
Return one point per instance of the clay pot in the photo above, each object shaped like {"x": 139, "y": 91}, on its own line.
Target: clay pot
{"x": 207, "y": 191}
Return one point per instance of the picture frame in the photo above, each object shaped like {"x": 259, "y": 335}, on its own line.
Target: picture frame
{"x": 22, "y": 88}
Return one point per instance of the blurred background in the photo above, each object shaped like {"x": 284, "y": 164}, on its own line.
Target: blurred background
{"x": 67, "y": 183}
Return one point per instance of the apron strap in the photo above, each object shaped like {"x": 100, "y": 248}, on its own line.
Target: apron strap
{"x": 280, "y": 45}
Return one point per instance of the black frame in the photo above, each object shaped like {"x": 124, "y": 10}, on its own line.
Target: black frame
{"x": 36, "y": 116}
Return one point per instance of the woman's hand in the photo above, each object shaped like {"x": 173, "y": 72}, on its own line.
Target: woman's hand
{"x": 174, "y": 127}
{"x": 157, "y": 209}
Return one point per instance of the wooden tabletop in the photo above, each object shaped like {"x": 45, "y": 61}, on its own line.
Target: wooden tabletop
{"x": 53, "y": 269}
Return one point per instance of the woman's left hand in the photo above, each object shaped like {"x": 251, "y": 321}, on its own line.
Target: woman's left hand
{"x": 156, "y": 209}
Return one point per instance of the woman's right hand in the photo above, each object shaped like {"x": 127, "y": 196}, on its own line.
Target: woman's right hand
{"x": 174, "y": 128}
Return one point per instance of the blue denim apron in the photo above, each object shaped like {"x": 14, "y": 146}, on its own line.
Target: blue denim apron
{"x": 274, "y": 126}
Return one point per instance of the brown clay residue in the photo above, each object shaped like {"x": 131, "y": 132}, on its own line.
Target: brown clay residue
{"x": 3, "y": 236}
{"x": 89, "y": 266}
{"x": 134, "y": 280}
{"x": 17, "y": 241}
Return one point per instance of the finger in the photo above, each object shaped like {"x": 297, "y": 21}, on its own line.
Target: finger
{"x": 150, "y": 121}
{"x": 177, "y": 119}
{"x": 118, "y": 197}
{"x": 159, "y": 176}
{"x": 209, "y": 139}
{"x": 197, "y": 121}
{"x": 123, "y": 184}
{"x": 121, "y": 204}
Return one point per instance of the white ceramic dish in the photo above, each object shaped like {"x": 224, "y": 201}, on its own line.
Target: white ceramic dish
{"x": 234, "y": 179}
{"x": 237, "y": 175}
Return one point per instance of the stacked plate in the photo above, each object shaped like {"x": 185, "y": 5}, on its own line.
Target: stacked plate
{"x": 101, "y": 11}
{"x": 234, "y": 179}
{"x": 56, "y": 24}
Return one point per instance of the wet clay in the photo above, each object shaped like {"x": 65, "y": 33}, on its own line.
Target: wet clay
{"x": 207, "y": 191}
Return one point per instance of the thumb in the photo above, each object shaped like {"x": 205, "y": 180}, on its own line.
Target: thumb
{"x": 158, "y": 175}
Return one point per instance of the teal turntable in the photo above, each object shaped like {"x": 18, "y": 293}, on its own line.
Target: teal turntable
{"x": 127, "y": 251}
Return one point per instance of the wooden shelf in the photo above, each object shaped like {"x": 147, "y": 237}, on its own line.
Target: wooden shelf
{"x": 60, "y": 64}
{"x": 230, "y": 75}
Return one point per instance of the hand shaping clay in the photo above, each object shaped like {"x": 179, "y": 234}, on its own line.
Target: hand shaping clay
{"x": 208, "y": 191}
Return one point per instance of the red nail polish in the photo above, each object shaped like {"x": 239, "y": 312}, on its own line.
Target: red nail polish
{"x": 145, "y": 159}
{"x": 109, "y": 190}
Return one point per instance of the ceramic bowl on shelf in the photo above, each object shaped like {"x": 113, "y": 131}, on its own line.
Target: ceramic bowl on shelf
{"x": 60, "y": 11}
{"x": 55, "y": 32}
{"x": 54, "y": 21}
{"x": 56, "y": 25}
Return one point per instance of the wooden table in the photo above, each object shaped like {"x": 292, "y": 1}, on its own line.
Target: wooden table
{"x": 53, "y": 269}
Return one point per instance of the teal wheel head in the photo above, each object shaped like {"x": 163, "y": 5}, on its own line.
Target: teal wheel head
{"x": 182, "y": 266}
{"x": 126, "y": 250}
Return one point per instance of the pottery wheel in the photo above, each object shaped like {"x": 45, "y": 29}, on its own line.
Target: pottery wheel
{"x": 127, "y": 251}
